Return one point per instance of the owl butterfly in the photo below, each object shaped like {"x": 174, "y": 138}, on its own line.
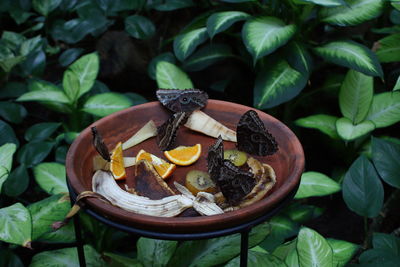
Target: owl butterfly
{"x": 252, "y": 137}
{"x": 99, "y": 144}
{"x": 186, "y": 100}
{"x": 233, "y": 182}
{"x": 166, "y": 133}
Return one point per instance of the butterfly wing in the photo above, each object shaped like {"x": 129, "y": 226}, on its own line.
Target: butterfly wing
{"x": 186, "y": 100}
{"x": 166, "y": 133}
{"x": 99, "y": 144}
{"x": 215, "y": 157}
{"x": 252, "y": 137}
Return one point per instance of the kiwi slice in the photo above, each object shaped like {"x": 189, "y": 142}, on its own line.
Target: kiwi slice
{"x": 237, "y": 157}
{"x": 197, "y": 181}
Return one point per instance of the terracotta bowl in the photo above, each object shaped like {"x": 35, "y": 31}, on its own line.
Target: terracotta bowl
{"x": 288, "y": 164}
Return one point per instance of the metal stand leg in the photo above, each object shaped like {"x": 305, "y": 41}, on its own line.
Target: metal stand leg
{"x": 244, "y": 247}
{"x": 79, "y": 242}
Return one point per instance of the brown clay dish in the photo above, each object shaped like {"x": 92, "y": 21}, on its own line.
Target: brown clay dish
{"x": 288, "y": 164}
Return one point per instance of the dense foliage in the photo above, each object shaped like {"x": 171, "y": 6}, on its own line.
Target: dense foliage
{"x": 326, "y": 65}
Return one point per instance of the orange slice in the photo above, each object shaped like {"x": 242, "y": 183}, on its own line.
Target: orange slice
{"x": 184, "y": 155}
{"x": 117, "y": 163}
{"x": 163, "y": 168}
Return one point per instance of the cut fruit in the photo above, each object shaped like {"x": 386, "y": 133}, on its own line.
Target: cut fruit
{"x": 237, "y": 157}
{"x": 117, "y": 163}
{"x": 163, "y": 168}
{"x": 184, "y": 155}
{"x": 199, "y": 181}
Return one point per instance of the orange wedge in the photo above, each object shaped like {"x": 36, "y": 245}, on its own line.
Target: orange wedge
{"x": 163, "y": 168}
{"x": 184, "y": 155}
{"x": 117, "y": 163}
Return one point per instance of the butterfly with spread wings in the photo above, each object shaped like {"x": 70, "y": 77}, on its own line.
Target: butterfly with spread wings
{"x": 186, "y": 100}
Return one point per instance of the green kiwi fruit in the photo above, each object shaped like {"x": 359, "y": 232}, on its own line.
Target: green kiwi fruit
{"x": 197, "y": 181}
{"x": 237, "y": 157}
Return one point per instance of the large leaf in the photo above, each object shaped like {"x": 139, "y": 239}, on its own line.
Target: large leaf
{"x": 81, "y": 75}
{"x": 17, "y": 182}
{"x": 151, "y": 69}
{"x": 186, "y": 43}
{"x": 386, "y": 155}
{"x": 316, "y": 184}
{"x": 264, "y": 35}
{"x": 355, "y": 96}
{"x": 13, "y": 90}
{"x": 56, "y": 96}
{"x": 282, "y": 227}
{"x": 389, "y": 48}
{"x": 214, "y": 251}
{"x": 343, "y": 251}
{"x": 69, "y": 56}
{"x": 387, "y": 242}
{"x": 362, "y": 188}
{"x": 6, "y": 159}
{"x": 139, "y": 27}
{"x": 41, "y": 131}
{"x": 104, "y": 104}
{"x": 15, "y": 225}
{"x": 349, "y": 131}
{"x": 147, "y": 248}
{"x": 51, "y": 177}
{"x": 256, "y": 258}
{"x": 324, "y": 123}
{"x": 219, "y": 22}
{"x": 351, "y": 55}
{"x": 288, "y": 253}
{"x": 67, "y": 257}
{"x": 207, "y": 56}
{"x": 352, "y": 13}
{"x": 44, "y": 7}
{"x": 47, "y": 211}
{"x": 34, "y": 152}
{"x": 7, "y": 134}
{"x": 302, "y": 213}
{"x": 379, "y": 257}
{"x": 329, "y": 3}
{"x": 299, "y": 58}
{"x": 173, "y": 5}
{"x": 121, "y": 261}
{"x": 169, "y": 76}
{"x": 12, "y": 112}
{"x": 385, "y": 109}
{"x": 313, "y": 249}
{"x": 277, "y": 84}
{"x": 397, "y": 85}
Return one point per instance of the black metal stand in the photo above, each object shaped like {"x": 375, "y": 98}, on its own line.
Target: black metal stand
{"x": 243, "y": 229}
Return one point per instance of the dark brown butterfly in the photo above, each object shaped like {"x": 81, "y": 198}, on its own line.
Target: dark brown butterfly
{"x": 215, "y": 157}
{"x": 99, "y": 144}
{"x": 186, "y": 100}
{"x": 252, "y": 137}
{"x": 166, "y": 133}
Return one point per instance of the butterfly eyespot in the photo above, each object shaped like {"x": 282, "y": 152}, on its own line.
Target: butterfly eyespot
{"x": 185, "y": 100}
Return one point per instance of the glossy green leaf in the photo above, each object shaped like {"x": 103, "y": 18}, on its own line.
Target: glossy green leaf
{"x": 135, "y": 99}
{"x": 6, "y": 159}
{"x": 10, "y": 62}
{"x": 41, "y": 131}
{"x": 12, "y": 112}
{"x": 121, "y": 261}
{"x": 215, "y": 251}
{"x": 13, "y": 90}
{"x": 343, "y": 251}
{"x": 17, "y": 182}
{"x": 34, "y": 64}
{"x": 397, "y": 85}
{"x": 15, "y": 225}
{"x": 7, "y": 134}
{"x": 147, "y": 248}
{"x": 277, "y": 84}
{"x": 170, "y": 76}
{"x": 385, "y": 156}
{"x": 389, "y": 48}
{"x": 44, "y": 91}
{"x": 257, "y": 259}
{"x": 237, "y": 1}
{"x": 80, "y": 76}
{"x": 349, "y": 131}
{"x": 324, "y": 123}
{"x": 385, "y": 109}
{"x": 47, "y": 211}
{"x": 263, "y": 35}
{"x": 139, "y": 27}
{"x": 33, "y": 153}
{"x": 316, "y": 184}
{"x": 220, "y": 21}
{"x": 387, "y": 242}
{"x": 31, "y": 45}
{"x": 282, "y": 227}
{"x": 313, "y": 249}
{"x": 302, "y": 213}
{"x": 362, "y": 188}
{"x": 288, "y": 253}
{"x": 355, "y": 96}
{"x": 379, "y": 257}
{"x": 168, "y": 57}
{"x": 186, "y": 43}
{"x": 299, "y": 58}
{"x": 173, "y": 5}
{"x": 69, "y": 56}
{"x": 67, "y": 257}
{"x": 12, "y": 39}
{"x": 51, "y": 177}
{"x": 351, "y": 55}
{"x": 104, "y": 104}
{"x": 328, "y": 3}
{"x": 352, "y": 13}
{"x": 44, "y": 7}
{"x": 207, "y": 56}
